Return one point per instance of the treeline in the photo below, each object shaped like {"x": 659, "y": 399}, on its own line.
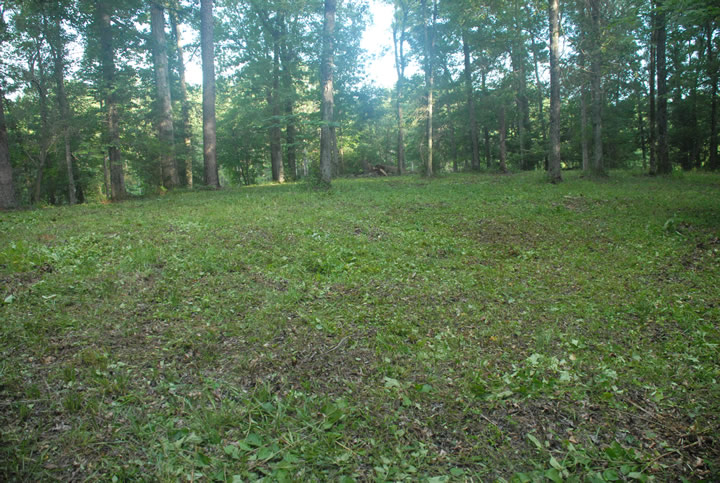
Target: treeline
{"x": 96, "y": 103}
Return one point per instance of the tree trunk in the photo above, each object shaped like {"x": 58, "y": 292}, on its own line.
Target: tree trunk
{"x": 399, "y": 46}
{"x": 486, "y": 131}
{"x": 554, "y": 171}
{"x": 166, "y": 134}
{"x": 58, "y": 53}
{"x": 471, "y": 105}
{"x": 208, "y": 67}
{"x": 187, "y": 152}
{"x": 7, "y": 186}
{"x": 327, "y": 143}
{"x": 540, "y": 99}
{"x": 287, "y": 56}
{"x": 713, "y": 70}
{"x": 663, "y": 158}
{"x": 429, "y": 34}
{"x": 45, "y": 135}
{"x": 596, "y": 88}
{"x": 117, "y": 176}
{"x": 276, "y": 162}
{"x": 641, "y": 131}
{"x": 652, "y": 114}
{"x": 503, "y": 134}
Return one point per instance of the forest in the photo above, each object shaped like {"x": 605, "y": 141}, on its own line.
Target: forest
{"x": 229, "y": 251}
{"x": 96, "y": 104}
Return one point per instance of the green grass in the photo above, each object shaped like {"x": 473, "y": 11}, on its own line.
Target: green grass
{"x": 469, "y": 327}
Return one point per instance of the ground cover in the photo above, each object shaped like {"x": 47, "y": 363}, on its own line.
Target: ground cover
{"x": 471, "y": 327}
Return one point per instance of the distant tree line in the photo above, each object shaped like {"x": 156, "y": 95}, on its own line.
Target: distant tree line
{"x": 95, "y": 103}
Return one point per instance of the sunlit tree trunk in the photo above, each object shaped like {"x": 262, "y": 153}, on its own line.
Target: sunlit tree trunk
{"x": 327, "y": 143}
{"x": 287, "y": 56}
{"x": 554, "y": 171}
{"x": 166, "y": 131}
{"x": 208, "y": 68}
{"x": 276, "y": 162}
{"x": 7, "y": 186}
{"x": 429, "y": 35}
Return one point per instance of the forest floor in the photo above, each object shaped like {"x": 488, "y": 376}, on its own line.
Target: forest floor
{"x": 470, "y": 327}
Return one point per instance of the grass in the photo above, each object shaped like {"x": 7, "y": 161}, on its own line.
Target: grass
{"x": 471, "y": 327}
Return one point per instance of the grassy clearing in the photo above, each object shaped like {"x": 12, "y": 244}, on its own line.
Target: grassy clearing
{"x": 469, "y": 327}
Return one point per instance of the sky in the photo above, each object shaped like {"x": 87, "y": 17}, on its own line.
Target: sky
{"x": 377, "y": 41}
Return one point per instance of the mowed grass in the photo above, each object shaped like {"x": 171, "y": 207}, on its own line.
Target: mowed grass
{"x": 471, "y": 327}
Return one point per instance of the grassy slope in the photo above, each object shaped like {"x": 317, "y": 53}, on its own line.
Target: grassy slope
{"x": 473, "y": 326}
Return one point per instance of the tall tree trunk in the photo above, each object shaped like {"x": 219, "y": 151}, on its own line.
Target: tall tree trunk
{"x": 187, "y": 152}
{"x": 585, "y": 148}
{"x": 58, "y": 53}
{"x": 596, "y": 87}
{"x": 503, "y": 135}
{"x": 713, "y": 70}
{"x": 166, "y": 131}
{"x": 45, "y": 135}
{"x": 429, "y": 34}
{"x": 663, "y": 161}
{"x": 554, "y": 170}
{"x": 471, "y": 105}
{"x": 541, "y": 98}
{"x": 399, "y": 47}
{"x": 327, "y": 143}
{"x": 208, "y": 67}
{"x": 7, "y": 186}
{"x": 276, "y": 162}
{"x": 117, "y": 176}
{"x": 652, "y": 114}
{"x": 287, "y": 56}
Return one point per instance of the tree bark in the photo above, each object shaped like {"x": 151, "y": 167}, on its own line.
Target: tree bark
{"x": 327, "y": 143}
{"x": 663, "y": 158}
{"x": 554, "y": 171}
{"x": 596, "y": 88}
{"x": 399, "y": 46}
{"x": 471, "y": 105}
{"x": 503, "y": 134}
{"x": 45, "y": 140}
{"x": 166, "y": 132}
{"x": 278, "y": 172}
{"x": 486, "y": 131}
{"x": 287, "y": 56}
{"x": 58, "y": 53}
{"x": 641, "y": 131}
{"x": 713, "y": 68}
{"x": 429, "y": 34}
{"x": 117, "y": 176}
{"x": 187, "y": 152}
{"x": 652, "y": 114}
{"x": 7, "y": 186}
{"x": 208, "y": 67}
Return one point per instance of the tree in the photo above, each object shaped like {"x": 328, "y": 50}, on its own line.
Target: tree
{"x": 399, "y": 26}
{"x": 208, "y": 69}
{"x": 7, "y": 187}
{"x": 471, "y": 104}
{"x": 184, "y": 102}
{"x": 107, "y": 57}
{"x": 166, "y": 133}
{"x": 596, "y": 93}
{"x": 327, "y": 141}
{"x": 663, "y": 157}
{"x": 554, "y": 162}
{"x": 54, "y": 35}
{"x": 429, "y": 67}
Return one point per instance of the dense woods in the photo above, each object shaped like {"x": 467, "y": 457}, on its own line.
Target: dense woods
{"x": 97, "y": 104}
